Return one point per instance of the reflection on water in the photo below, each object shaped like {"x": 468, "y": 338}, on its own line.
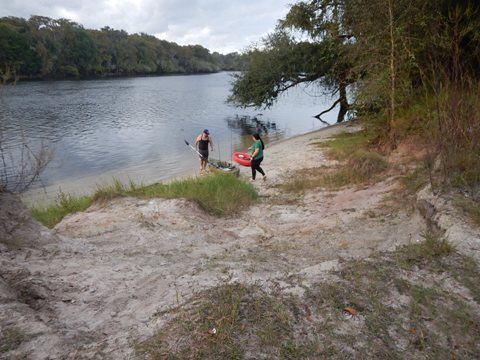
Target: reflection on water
{"x": 246, "y": 125}
{"x": 136, "y": 127}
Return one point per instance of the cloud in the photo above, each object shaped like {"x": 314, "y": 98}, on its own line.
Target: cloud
{"x": 219, "y": 25}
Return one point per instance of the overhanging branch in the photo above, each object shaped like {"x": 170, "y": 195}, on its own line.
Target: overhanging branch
{"x": 328, "y": 110}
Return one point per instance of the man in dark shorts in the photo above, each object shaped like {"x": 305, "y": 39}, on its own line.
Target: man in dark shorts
{"x": 202, "y": 145}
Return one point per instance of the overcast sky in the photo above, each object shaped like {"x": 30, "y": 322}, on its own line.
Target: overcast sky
{"x": 219, "y": 25}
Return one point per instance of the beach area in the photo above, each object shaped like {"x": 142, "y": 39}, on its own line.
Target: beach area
{"x": 113, "y": 275}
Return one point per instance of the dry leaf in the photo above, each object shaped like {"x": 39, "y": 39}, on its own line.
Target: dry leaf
{"x": 351, "y": 311}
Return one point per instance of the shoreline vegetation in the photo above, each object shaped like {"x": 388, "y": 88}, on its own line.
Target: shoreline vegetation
{"x": 216, "y": 193}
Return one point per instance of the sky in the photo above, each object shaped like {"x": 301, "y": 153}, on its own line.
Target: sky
{"x": 218, "y": 25}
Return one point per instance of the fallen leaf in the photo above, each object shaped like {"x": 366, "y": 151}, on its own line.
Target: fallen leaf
{"x": 351, "y": 311}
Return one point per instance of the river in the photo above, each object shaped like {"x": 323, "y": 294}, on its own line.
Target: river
{"x": 134, "y": 128}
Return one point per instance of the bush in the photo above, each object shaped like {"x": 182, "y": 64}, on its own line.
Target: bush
{"x": 456, "y": 129}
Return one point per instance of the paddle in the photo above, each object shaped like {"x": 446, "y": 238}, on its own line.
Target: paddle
{"x": 203, "y": 157}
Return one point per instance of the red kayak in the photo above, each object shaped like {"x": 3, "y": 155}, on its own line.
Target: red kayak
{"x": 242, "y": 158}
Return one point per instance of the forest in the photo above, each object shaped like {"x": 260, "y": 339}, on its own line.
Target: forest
{"x": 45, "y": 48}
{"x": 409, "y": 68}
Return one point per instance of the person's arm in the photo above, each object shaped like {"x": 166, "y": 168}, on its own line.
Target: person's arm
{"x": 196, "y": 141}
{"x": 211, "y": 143}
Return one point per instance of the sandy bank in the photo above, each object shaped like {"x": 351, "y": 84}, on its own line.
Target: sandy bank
{"x": 102, "y": 278}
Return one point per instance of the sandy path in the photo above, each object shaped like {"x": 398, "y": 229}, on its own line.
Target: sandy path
{"x": 116, "y": 267}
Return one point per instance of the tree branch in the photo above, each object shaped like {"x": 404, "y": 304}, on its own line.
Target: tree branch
{"x": 326, "y": 111}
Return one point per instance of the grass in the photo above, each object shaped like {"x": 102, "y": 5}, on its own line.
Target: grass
{"x": 64, "y": 204}
{"x": 360, "y": 167}
{"x": 244, "y": 317}
{"x": 358, "y": 164}
{"x": 218, "y": 194}
{"x": 342, "y": 145}
{"x": 416, "y": 179}
{"x": 470, "y": 207}
{"x": 10, "y": 339}
{"x": 410, "y": 304}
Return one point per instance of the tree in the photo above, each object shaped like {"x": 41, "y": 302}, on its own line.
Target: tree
{"x": 281, "y": 61}
{"x": 16, "y": 55}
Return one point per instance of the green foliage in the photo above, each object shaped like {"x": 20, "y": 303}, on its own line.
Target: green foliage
{"x": 218, "y": 194}
{"x": 282, "y": 61}
{"x": 16, "y": 55}
{"x": 64, "y": 204}
{"x": 42, "y": 47}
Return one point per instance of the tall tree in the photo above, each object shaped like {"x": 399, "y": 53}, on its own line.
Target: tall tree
{"x": 281, "y": 61}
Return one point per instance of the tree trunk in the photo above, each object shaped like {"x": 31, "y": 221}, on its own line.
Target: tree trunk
{"x": 391, "y": 131}
{"x": 344, "y": 106}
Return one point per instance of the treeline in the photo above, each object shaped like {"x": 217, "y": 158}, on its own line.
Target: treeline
{"x": 41, "y": 47}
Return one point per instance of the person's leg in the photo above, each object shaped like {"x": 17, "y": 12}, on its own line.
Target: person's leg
{"x": 254, "y": 172}
{"x": 203, "y": 159}
{"x": 259, "y": 169}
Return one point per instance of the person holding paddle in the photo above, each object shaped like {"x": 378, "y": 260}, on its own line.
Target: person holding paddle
{"x": 201, "y": 143}
{"x": 257, "y": 156}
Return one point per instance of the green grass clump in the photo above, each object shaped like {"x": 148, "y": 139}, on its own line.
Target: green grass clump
{"x": 64, "y": 204}
{"x": 218, "y": 194}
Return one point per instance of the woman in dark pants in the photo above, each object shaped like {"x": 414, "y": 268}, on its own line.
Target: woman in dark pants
{"x": 257, "y": 156}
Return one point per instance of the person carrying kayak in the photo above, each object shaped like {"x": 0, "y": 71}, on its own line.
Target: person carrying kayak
{"x": 201, "y": 143}
{"x": 257, "y": 156}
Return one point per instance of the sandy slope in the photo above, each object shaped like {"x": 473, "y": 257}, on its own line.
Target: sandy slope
{"x": 105, "y": 275}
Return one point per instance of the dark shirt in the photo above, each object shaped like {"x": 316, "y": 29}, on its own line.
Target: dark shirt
{"x": 203, "y": 144}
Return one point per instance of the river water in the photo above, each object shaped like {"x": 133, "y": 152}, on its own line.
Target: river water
{"x": 134, "y": 128}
